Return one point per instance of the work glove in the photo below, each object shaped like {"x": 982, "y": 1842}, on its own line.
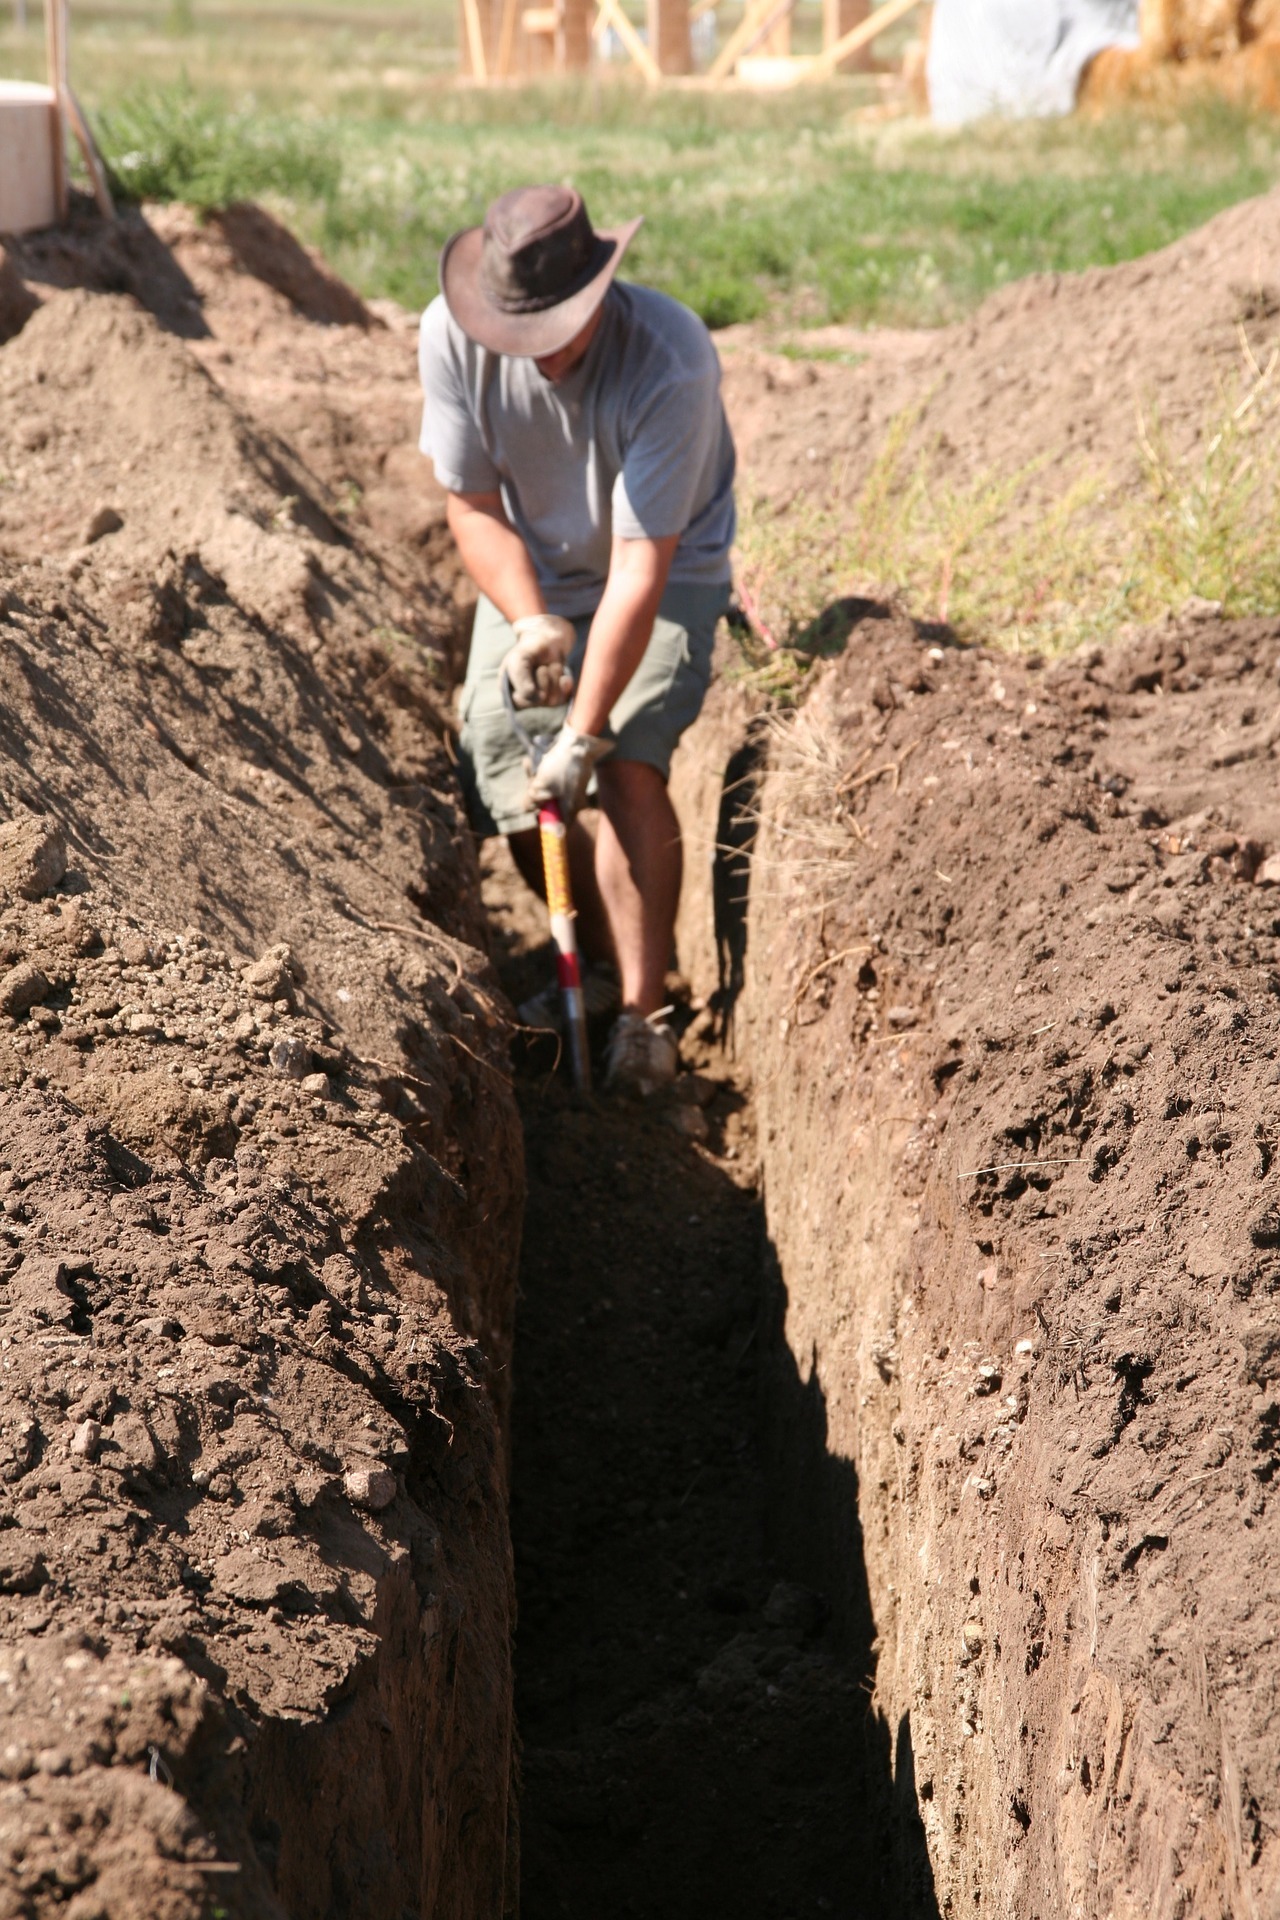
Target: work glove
{"x": 538, "y": 664}
{"x": 565, "y": 770}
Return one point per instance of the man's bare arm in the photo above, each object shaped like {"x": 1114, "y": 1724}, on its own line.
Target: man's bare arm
{"x": 494, "y": 554}
{"x": 622, "y": 627}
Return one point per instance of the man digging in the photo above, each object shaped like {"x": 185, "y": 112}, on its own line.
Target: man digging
{"x": 577, "y": 426}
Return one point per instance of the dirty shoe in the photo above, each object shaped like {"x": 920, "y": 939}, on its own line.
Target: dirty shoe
{"x": 601, "y": 994}
{"x": 642, "y": 1053}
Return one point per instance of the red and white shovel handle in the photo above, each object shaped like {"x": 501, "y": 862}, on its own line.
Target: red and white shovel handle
{"x": 564, "y": 934}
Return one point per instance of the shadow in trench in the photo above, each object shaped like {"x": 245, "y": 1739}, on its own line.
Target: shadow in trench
{"x": 695, "y": 1652}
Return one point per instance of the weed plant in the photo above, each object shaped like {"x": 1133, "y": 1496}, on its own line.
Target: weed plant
{"x": 999, "y": 562}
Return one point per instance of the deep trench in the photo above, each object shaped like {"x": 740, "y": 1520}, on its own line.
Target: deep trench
{"x": 695, "y": 1653}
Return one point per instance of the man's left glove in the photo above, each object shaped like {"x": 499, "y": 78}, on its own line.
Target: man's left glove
{"x": 565, "y": 770}
{"x": 538, "y": 664}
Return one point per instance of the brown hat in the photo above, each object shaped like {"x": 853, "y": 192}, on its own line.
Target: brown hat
{"x": 528, "y": 280}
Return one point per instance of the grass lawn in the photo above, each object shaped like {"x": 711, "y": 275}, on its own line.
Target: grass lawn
{"x": 797, "y": 206}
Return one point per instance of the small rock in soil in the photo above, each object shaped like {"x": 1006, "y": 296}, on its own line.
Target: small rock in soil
{"x": 317, "y": 1084}
{"x": 292, "y": 1056}
{"x": 102, "y": 522}
{"x": 372, "y": 1487}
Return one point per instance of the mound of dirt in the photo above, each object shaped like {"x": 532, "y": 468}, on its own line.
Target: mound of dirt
{"x": 1051, "y": 369}
{"x": 291, "y": 345}
{"x": 1013, "y": 998}
{"x": 261, "y": 1168}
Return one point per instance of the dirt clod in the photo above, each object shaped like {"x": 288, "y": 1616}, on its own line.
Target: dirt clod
{"x": 33, "y": 855}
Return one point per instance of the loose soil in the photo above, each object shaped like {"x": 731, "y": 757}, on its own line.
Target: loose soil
{"x": 261, "y": 1171}
{"x": 1052, "y": 370}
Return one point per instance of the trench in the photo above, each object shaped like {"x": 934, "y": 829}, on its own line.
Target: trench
{"x": 695, "y": 1657}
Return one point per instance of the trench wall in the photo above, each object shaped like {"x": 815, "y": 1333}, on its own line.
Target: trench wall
{"x": 1020, "y": 921}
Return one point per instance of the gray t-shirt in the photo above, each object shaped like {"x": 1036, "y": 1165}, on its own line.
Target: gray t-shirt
{"x": 633, "y": 443}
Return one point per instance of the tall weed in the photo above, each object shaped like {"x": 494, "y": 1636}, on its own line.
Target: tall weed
{"x": 1000, "y": 562}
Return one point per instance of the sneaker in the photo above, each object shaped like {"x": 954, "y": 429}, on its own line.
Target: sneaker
{"x": 601, "y": 995}
{"x": 642, "y": 1054}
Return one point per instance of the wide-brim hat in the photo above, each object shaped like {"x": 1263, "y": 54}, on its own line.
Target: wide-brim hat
{"x": 531, "y": 277}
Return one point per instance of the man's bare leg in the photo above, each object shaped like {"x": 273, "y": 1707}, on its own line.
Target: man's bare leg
{"x": 639, "y": 865}
{"x": 593, "y": 922}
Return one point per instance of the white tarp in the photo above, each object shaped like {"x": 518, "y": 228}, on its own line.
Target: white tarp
{"x": 1018, "y": 57}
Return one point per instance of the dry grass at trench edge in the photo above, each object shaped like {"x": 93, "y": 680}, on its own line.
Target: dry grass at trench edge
{"x": 1003, "y": 565}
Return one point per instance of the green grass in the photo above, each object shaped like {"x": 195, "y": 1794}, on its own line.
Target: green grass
{"x": 796, "y": 208}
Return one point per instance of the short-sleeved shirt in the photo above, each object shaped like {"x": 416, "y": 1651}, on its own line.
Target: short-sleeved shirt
{"x": 634, "y": 443}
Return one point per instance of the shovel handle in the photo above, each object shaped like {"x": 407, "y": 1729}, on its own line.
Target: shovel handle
{"x": 564, "y": 934}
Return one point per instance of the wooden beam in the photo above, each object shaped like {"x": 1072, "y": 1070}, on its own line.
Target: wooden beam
{"x": 475, "y": 41}
{"x": 669, "y": 39}
{"x": 92, "y": 158}
{"x": 755, "y": 20}
{"x": 611, "y": 15}
{"x": 573, "y": 35}
{"x": 840, "y": 17}
{"x": 55, "y": 45}
{"x": 860, "y": 36}
{"x": 507, "y": 37}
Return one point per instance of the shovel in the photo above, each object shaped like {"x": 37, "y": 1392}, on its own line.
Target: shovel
{"x": 555, "y": 873}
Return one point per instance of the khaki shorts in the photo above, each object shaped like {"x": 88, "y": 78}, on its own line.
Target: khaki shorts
{"x": 662, "y": 698}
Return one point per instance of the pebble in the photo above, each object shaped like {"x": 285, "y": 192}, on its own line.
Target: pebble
{"x": 86, "y": 1439}
{"x": 317, "y": 1084}
{"x": 291, "y": 1056}
{"x": 372, "y": 1487}
{"x": 990, "y": 1379}
{"x": 902, "y": 1017}
{"x": 103, "y": 521}
{"x": 137, "y": 952}
{"x": 690, "y": 1121}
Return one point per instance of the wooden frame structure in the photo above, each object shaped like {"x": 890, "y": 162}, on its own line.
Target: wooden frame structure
{"x": 34, "y": 122}
{"x": 510, "y": 39}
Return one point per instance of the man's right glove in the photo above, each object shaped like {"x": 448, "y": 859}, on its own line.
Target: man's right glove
{"x": 566, "y": 768}
{"x": 538, "y": 664}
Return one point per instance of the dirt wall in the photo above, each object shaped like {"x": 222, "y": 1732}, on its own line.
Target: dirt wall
{"x": 1013, "y": 1022}
{"x": 260, "y": 1167}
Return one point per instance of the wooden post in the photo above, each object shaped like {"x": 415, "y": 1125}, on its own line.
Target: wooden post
{"x": 55, "y": 46}
{"x": 669, "y": 40}
{"x": 840, "y": 17}
{"x": 777, "y": 42}
{"x": 573, "y": 36}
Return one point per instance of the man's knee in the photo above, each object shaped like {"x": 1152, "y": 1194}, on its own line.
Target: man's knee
{"x": 629, "y": 783}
